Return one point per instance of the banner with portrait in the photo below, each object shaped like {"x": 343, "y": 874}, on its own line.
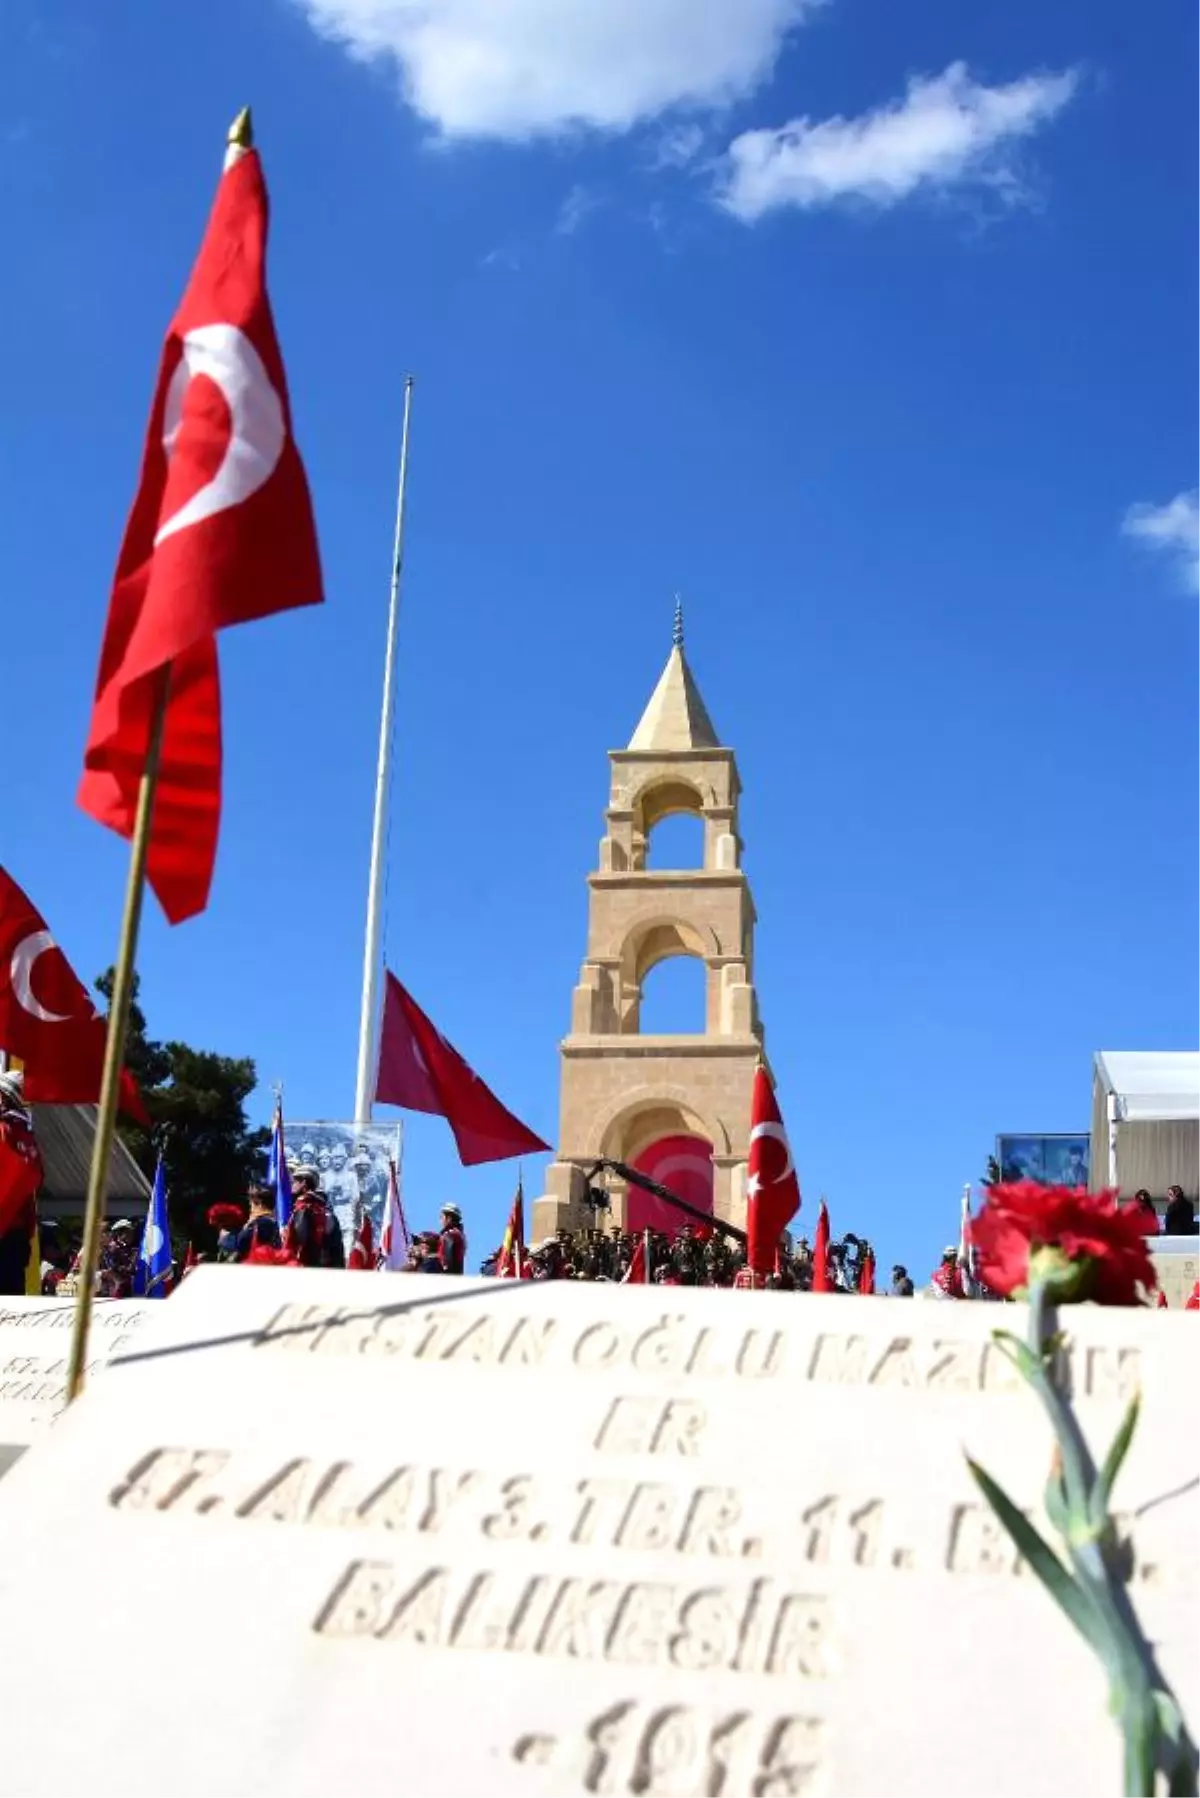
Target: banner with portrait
{"x": 1060, "y": 1159}
{"x": 353, "y": 1165}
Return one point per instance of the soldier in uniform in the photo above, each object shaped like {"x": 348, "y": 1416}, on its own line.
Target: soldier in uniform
{"x": 452, "y": 1241}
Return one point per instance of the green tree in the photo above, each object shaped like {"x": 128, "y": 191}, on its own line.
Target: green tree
{"x": 197, "y": 1105}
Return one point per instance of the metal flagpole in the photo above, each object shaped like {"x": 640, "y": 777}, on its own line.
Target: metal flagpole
{"x": 364, "y": 1088}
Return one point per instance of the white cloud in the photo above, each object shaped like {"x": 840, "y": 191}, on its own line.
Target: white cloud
{"x": 1173, "y": 528}
{"x": 947, "y": 131}
{"x": 579, "y": 202}
{"x": 677, "y": 147}
{"x": 522, "y": 68}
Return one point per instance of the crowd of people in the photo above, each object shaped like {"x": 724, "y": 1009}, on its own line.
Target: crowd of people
{"x": 696, "y": 1255}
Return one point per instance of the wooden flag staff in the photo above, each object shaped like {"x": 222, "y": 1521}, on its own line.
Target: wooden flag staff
{"x": 114, "y": 1046}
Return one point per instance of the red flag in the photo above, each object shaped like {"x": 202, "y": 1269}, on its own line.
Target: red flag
{"x": 20, "y": 1168}
{"x": 362, "y": 1252}
{"x": 820, "y": 1278}
{"x": 419, "y": 1070}
{"x": 772, "y": 1190}
{"x": 221, "y": 532}
{"x": 636, "y": 1274}
{"x": 511, "y": 1258}
{"x": 394, "y": 1239}
{"x": 1161, "y": 1301}
{"x": 46, "y": 1017}
{"x": 866, "y": 1273}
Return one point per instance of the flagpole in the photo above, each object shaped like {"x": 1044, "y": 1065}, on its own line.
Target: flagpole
{"x": 114, "y": 1042}
{"x": 364, "y": 1094}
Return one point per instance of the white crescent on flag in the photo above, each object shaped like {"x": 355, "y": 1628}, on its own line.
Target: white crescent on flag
{"x": 21, "y": 973}
{"x": 779, "y": 1134}
{"x": 257, "y": 431}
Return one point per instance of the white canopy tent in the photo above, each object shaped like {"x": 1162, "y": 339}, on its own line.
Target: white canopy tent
{"x": 1146, "y": 1120}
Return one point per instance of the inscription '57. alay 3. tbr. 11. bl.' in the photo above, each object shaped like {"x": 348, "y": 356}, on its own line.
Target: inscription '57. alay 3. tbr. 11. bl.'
{"x": 725, "y": 1546}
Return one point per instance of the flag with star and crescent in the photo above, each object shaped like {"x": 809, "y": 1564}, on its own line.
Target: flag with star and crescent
{"x": 46, "y": 1016}
{"x": 772, "y": 1189}
{"x": 221, "y": 532}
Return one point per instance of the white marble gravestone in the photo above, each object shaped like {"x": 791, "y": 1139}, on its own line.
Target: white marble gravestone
{"x": 35, "y": 1339}
{"x": 415, "y": 1537}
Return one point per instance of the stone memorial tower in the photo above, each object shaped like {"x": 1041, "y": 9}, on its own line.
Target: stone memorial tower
{"x": 678, "y": 1107}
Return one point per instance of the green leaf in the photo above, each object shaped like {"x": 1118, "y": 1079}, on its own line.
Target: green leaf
{"x": 1018, "y": 1352}
{"x": 1106, "y": 1478}
{"x": 1055, "y": 1500}
{"x": 1071, "y": 1599}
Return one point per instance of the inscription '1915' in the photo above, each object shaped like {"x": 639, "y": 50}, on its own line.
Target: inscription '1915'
{"x": 676, "y": 1751}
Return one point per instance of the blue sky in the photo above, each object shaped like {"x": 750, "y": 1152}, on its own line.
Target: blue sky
{"x": 869, "y": 328}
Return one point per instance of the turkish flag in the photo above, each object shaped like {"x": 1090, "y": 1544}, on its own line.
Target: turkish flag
{"x": 221, "y": 532}
{"x": 419, "y": 1070}
{"x": 20, "y": 1170}
{"x": 46, "y": 1017}
{"x": 772, "y": 1190}
{"x": 820, "y": 1254}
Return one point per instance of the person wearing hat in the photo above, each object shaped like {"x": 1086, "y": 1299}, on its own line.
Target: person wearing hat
{"x": 118, "y": 1260}
{"x": 948, "y": 1277}
{"x": 452, "y": 1241}
{"x": 313, "y": 1237}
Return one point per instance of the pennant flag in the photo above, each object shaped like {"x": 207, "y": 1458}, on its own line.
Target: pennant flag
{"x": 362, "y": 1249}
{"x": 46, "y": 1016}
{"x": 772, "y": 1190}
{"x": 866, "y": 1273}
{"x": 419, "y": 1070}
{"x": 394, "y": 1240}
{"x": 279, "y": 1180}
{"x": 820, "y": 1279}
{"x": 511, "y": 1259}
{"x": 20, "y": 1160}
{"x": 638, "y": 1271}
{"x": 221, "y": 532}
{"x": 153, "y": 1269}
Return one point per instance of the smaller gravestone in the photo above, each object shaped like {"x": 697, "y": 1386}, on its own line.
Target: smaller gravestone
{"x": 35, "y": 1340}
{"x": 411, "y": 1538}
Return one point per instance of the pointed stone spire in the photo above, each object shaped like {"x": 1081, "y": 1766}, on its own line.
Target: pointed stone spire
{"x": 676, "y": 717}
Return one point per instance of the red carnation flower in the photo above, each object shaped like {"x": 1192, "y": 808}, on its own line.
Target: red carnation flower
{"x": 1085, "y": 1244}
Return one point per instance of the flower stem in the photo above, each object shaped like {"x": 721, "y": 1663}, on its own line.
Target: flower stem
{"x": 1137, "y": 1688}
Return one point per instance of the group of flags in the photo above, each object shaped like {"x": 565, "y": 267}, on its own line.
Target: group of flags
{"x": 222, "y": 532}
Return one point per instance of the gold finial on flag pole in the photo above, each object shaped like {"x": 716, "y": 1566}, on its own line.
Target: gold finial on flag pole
{"x": 239, "y": 138}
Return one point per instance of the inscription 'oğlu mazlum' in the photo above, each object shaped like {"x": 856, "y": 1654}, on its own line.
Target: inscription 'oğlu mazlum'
{"x": 673, "y": 1346}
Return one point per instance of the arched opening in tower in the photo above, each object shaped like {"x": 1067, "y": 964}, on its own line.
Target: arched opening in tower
{"x": 675, "y": 843}
{"x": 683, "y": 1163}
{"x": 674, "y": 998}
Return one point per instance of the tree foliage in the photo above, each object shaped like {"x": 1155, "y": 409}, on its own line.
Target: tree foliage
{"x": 197, "y": 1105}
